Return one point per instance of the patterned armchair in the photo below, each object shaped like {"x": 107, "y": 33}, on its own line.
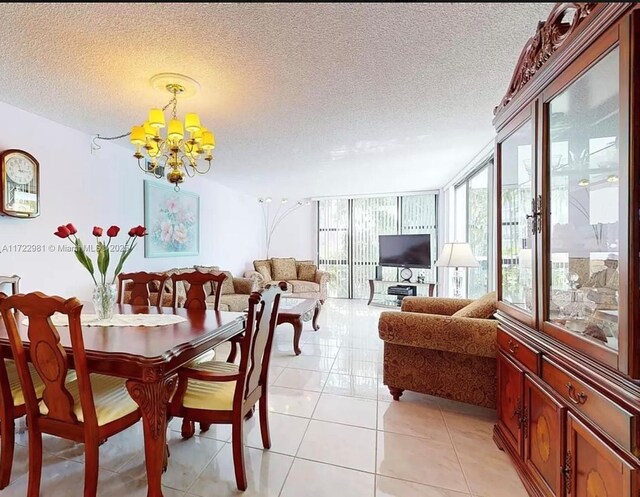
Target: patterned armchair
{"x": 442, "y": 347}
{"x": 304, "y": 279}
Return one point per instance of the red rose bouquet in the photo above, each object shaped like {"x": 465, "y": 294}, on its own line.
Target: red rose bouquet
{"x": 104, "y": 293}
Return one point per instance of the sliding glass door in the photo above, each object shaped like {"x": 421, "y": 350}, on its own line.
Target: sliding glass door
{"x": 348, "y": 231}
{"x": 333, "y": 245}
{"x": 371, "y": 217}
{"x": 478, "y": 211}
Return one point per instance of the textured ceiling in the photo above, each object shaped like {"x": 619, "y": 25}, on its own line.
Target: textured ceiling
{"x": 304, "y": 99}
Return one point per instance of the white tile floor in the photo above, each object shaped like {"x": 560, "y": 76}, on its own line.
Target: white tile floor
{"x": 335, "y": 431}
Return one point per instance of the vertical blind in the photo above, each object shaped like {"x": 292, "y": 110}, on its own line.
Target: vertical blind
{"x": 348, "y": 231}
{"x": 333, "y": 244}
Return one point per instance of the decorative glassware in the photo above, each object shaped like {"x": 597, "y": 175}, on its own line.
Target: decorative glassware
{"x": 104, "y": 300}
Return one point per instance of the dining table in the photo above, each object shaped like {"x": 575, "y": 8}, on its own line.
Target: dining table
{"x": 149, "y": 358}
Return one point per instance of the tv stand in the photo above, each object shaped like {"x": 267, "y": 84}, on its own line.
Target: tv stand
{"x": 378, "y": 295}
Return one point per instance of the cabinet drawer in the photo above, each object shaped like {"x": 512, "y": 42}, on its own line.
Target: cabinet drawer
{"x": 515, "y": 349}
{"x": 612, "y": 418}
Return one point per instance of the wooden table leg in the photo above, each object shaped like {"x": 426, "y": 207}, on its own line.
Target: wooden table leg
{"x": 316, "y": 313}
{"x": 153, "y": 399}
{"x": 297, "y": 333}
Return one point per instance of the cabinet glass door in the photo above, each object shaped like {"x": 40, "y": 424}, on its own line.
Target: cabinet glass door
{"x": 517, "y": 225}
{"x": 584, "y": 190}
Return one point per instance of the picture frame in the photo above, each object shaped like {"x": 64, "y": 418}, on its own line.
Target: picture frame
{"x": 172, "y": 219}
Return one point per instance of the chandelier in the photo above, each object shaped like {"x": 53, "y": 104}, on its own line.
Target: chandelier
{"x": 176, "y": 153}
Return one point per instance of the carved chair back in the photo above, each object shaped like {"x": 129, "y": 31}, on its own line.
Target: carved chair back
{"x": 195, "y": 282}
{"x": 14, "y": 281}
{"x": 140, "y": 288}
{"x": 48, "y": 356}
{"x": 255, "y": 345}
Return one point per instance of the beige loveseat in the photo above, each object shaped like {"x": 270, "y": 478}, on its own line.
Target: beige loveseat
{"x": 303, "y": 278}
{"x": 235, "y": 291}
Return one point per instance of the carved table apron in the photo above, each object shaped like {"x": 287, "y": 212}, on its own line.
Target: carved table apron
{"x": 149, "y": 358}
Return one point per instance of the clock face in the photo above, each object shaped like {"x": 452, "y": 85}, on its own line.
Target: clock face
{"x": 20, "y": 169}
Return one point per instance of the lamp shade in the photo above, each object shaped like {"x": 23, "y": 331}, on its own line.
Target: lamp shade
{"x": 526, "y": 258}
{"x": 176, "y": 131}
{"x": 156, "y": 118}
{"x": 137, "y": 135}
{"x": 457, "y": 255}
{"x": 192, "y": 122}
{"x": 208, "y": 140}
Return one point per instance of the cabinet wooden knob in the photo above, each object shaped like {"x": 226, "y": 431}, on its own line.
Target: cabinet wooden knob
{"x": 577, "y": 398}
{"x": 513, "y": 347}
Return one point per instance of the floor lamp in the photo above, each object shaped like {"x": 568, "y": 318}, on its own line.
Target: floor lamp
{"x": 271, "y": 223}
{"x": 457, "y": 255}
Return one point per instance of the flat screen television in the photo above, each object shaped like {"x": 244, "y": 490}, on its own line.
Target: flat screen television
{"x": 411, "y": 251}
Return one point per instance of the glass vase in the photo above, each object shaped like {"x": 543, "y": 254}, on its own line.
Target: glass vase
{"x": 104, "y": 300}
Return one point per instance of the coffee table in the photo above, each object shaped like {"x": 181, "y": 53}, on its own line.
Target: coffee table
{"x": 297, "y": 311}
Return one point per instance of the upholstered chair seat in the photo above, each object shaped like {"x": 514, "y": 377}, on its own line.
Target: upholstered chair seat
{"x": 303, "y": 286}
{"x": 211, "y": 395}
{"x": 14, "y": 382}
{"x": 110, "y": 397}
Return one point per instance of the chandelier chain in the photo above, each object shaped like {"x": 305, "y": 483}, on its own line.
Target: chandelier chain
{"x": 174, "y": 101}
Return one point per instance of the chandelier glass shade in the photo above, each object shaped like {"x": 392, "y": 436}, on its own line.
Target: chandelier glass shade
{"x": 184, "y": 150}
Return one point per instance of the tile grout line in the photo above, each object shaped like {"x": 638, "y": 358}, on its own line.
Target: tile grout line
{"x": 375, "y": 474}
{"x": 455, "y": 451}
{"x": 375, "y": 478}
{"x": 204, "y": 468}
{"x": 295, "y": 456}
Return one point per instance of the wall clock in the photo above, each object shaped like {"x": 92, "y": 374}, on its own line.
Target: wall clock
{"x": 19, "y": 184}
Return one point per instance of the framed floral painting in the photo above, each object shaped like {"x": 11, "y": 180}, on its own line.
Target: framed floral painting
{"x": 172, "y": 220}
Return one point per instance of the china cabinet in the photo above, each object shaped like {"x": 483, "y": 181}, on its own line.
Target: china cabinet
{"x": 568, "y": 255}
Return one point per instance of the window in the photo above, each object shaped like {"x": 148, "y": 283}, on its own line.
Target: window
{"x": 473, "y": 224}
{"x": 478, "y": 232}
{"x": 348, "y": 231}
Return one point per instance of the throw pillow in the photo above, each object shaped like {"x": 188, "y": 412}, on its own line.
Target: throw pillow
{"x": 227, "y": 284}
{"x": 482, "y": 308}
{"x": 264, "y": 268}
{"x": 307, "y": 272}
{"x": 284, "y": 269}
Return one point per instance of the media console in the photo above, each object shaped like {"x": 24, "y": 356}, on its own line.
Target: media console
{"x": 391, "y": 293}
{"x": 403, "y": 290}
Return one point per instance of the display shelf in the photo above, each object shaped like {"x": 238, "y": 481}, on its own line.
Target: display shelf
{"x": 378, "y": 295}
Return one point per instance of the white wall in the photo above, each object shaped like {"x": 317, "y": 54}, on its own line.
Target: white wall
{"x": 296, "y": 236}
{"x": 106, "y": 188}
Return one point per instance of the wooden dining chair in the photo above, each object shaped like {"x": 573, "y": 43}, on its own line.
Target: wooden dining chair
{"x": 217, "y": 392}
{"x": 195, "y": 289}
{"x": 89, "y": 409}
{"x": 141, "y": 288}
{"x": 12, "y": 407}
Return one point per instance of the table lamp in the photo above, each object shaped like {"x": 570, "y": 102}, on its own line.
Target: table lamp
{"x": 457, "y": 255}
